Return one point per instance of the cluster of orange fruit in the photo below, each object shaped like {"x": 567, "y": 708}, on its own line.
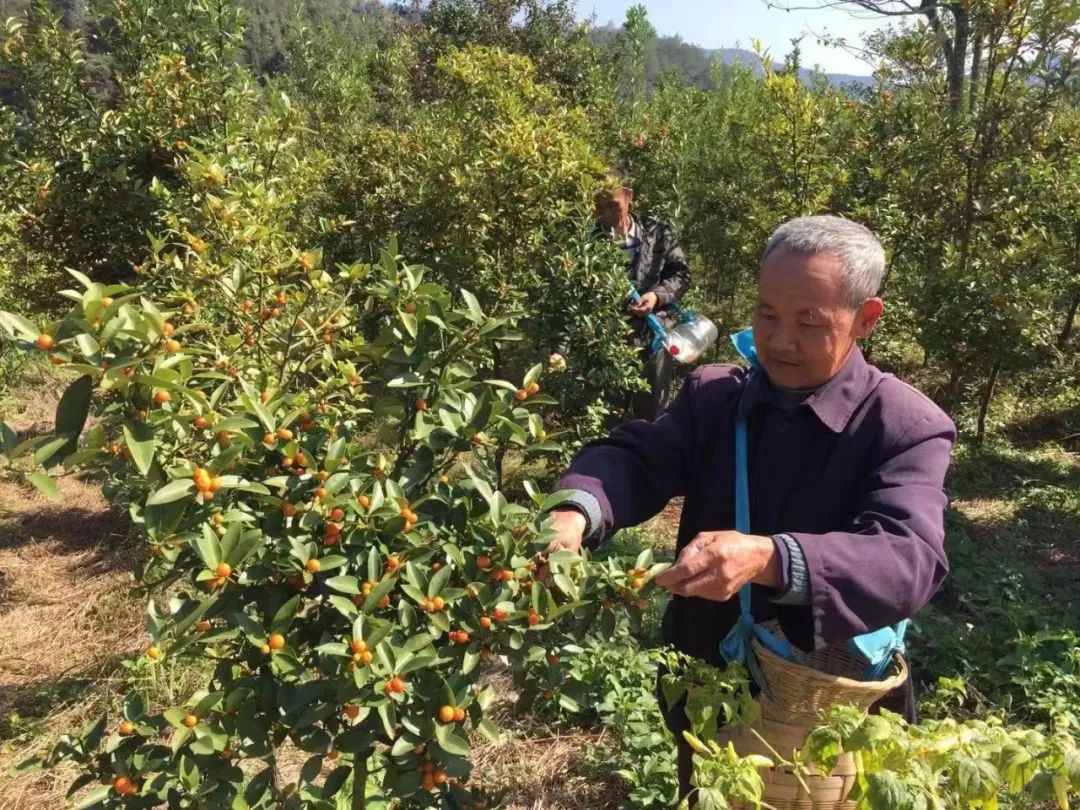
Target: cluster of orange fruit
{"x": 360, "y": 651}
{"x": 430, "y": 776}
{"x": 450, "y": 714}
{"x": 124, "y": 786}
{"x": 458, "y": 637}
{"x": 206, "y": 483}
{"x": 411, "y": 518}
{"x": 433, "y": 605}
{"x": 523, "y": 394}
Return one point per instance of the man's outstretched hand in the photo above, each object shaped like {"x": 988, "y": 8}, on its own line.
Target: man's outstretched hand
{"x": 642, "y": 307}
{"x": 715, "y": 565}
{"x": 569, "y": 525}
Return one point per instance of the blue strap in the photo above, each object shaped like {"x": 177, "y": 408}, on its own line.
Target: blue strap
{"x": 876, "y": 647}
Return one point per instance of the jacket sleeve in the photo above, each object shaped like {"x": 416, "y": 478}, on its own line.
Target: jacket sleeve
{"x": 675, "y": 273}
{"x": 635, "y": 471}
{"x": 890, "y": 560}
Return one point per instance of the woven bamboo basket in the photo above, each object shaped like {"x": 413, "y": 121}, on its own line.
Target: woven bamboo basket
{"x": 799, "y": 694}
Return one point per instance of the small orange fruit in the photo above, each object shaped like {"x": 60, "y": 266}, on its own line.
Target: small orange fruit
{"x": 45, "y": 342}
{"x": 202, "y": 626}
{"x": 162, "y": 396}
{"x": 438, "y": 603}
{"x": 485, "y": 622}
{"x": 459, "y": 714}
{"x": 364, "y": 501}
{"x": 312, "y": 566}
{"x": 284, "y": 434}
{"x": 167, "y": 328}
{"x": 153, "y": 653}
{"x": 191, "y": 721}
{"x": 321, "y": 493}
{"x": 337, "y": 514}
{"x": 521, "y": 395}
{"x": 124, "y": 786}
{"x": 358, "y": 645}
{"x": 533, "y": 389}
{"x": 264, "y": 649}
{"x": 223, "y": 569}
{"x": 499, "y": 614}
{"x": 277, "y": 641}
{"x": 172, "y": 346}
{"x": 483, "y": 562}
{"x": 421, "y": 405}
{"x": 392, "y": 563}
{"x": 126, "y": 728}
{"x": 446, "y": 714}
{"x": 352, "y": 712}
{"x": 269, "y": 439}
{"x": 384, "y": 602}
{"x": 200, "y": 422}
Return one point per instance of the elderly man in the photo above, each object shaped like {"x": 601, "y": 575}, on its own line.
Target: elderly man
{"x": 658, "y": 270}
{"x": 846, "y": 467}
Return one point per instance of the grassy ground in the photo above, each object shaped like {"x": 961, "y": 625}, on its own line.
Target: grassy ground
{"x": 1005, "y": 626}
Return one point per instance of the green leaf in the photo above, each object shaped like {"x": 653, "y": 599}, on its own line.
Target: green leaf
{"x": 344, "y": 584}
{"x": 72, "y": 411}
{"x": 975, "y": 780}
{"x": 173, "y": 491}
{"x": 50, "y": 450}
{"x": 384, "y": 587}
{"x": 28, "y": 766}
{"x": 1017, "y": 766}
{"x": 450, "y": 742}
{"x": 473, "y": 305}
{"x": 438, "y": 582}
{"x": 44, "y": 484}
{"x": 206, "y": 543}
{"x": 96, "y": 796}
{"x": 18, "y": 327}
{"x": 885, "y": 791}
{"x": 1072, "y": 768}
{"x": 285, "y": 615}
{"x": 139, "y": 438}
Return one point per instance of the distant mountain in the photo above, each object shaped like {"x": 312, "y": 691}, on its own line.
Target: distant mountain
{"x": 693, "y": 61}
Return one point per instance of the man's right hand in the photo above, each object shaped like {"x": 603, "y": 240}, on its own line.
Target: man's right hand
{"x": 569, "y": 525}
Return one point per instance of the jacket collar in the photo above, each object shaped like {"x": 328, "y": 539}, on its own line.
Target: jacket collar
{"x": 833, "y": 403}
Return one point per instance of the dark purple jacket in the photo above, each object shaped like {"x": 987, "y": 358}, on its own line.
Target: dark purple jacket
{"x": 855, "y": 474}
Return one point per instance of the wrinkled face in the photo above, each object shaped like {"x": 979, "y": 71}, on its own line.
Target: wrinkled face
{"x": 804, "y": 325}
{"x": 612, "y": 206}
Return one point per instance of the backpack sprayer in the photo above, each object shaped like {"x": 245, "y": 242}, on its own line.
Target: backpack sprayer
{"x": 687, "y": 341}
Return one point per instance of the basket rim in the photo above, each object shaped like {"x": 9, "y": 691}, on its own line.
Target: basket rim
{"x": 812, "y": 674}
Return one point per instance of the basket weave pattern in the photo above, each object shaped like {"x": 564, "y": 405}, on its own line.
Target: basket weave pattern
{"x": 799, "y": 694}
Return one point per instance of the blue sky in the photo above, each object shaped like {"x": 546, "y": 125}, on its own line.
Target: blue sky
{"x": 727, "y": 23}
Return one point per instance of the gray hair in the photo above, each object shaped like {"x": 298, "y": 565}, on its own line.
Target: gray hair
{"x": 862, "y": 258}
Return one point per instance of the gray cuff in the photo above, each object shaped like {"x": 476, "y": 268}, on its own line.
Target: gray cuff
{"x": 586, "y": 503}
{"x": 798, "y": 591}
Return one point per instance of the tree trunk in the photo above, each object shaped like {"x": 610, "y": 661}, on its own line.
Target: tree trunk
{"x": 957, "y": 64}
{"x": 976, "y": 70}
{"x": 359, "y": 793}
{"x": 984, "y": 401}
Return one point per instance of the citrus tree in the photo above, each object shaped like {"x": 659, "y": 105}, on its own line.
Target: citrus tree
{"x": 311, "y": 454}
{"x": 313, "y": 479}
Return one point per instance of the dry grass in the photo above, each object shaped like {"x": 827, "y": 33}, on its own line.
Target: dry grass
{"x": 537, "y": 767}
{"x": 65, "y": 572}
